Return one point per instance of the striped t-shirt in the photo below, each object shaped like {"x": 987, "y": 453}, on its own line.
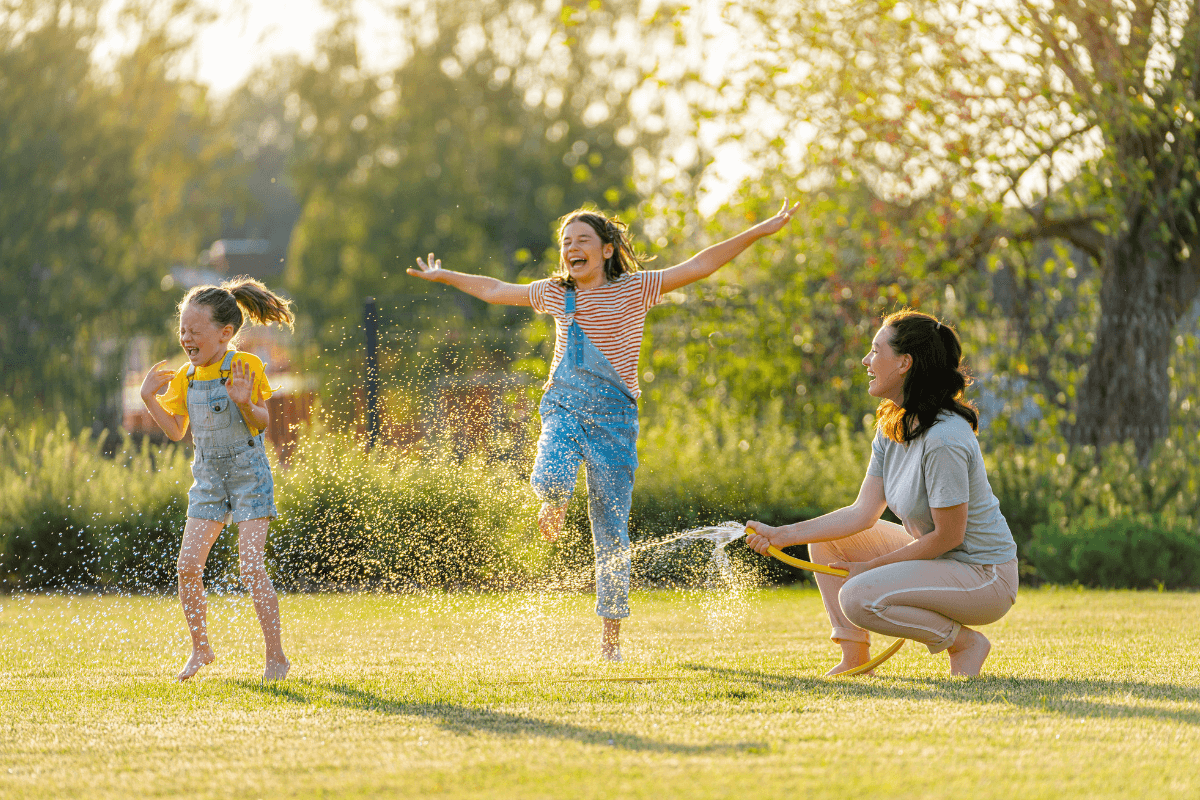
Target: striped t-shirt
{"x": 613, "y": 316}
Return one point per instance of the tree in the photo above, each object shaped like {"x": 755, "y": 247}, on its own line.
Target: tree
{"x": 110, "y": 175}
{"x": 1003, "y": 125}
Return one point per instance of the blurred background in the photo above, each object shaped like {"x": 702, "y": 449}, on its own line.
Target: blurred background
{"x": 1026, "y": 171}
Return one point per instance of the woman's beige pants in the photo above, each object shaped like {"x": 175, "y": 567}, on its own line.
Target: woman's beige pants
{"x": 927, "y": 601}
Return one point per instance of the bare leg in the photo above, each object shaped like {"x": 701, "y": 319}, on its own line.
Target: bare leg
{"x": 968, "y": 652}
{"x": 252, "y": 541}
{"x": 550, "y": 520}
{"x": 198, "y": 538}
{"x": 610, "y": 640}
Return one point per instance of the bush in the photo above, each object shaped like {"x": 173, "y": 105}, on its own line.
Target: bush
{"x": 1127, "y": 552}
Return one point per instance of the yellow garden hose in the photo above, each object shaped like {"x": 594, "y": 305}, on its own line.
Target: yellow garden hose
{"x": 841, "y": 573}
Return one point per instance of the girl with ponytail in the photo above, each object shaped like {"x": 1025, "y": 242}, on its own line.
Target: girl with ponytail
{"x": 953, "y": 562}
{"x": 222, "y": 394}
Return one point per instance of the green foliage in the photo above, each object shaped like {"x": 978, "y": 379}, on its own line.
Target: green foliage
{"x": 1125, "y": 552}
{"x": 71, "y": 516}
{"x": 390, "y": 520}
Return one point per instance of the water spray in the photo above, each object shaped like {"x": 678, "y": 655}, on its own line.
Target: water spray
{"x": 727, "y": 532}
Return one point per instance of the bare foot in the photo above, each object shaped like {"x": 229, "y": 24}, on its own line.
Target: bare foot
{"x": 969, "y": 651}
{"x": 550, "y": 521}
{"x": 200, "y": 658}
{"x": 276, "y": 670}
{"x": 854, "y": 654}
{"x": 610, "y": 640}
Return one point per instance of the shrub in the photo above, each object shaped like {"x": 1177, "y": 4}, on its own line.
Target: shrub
{"x": 1126, "y": 552}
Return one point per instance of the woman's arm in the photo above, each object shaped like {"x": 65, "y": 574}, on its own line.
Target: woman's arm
{"x": 949, "y": 528}
{"x": 487, "y": 289}
{"x": 173, "y": 425}
{"x": 859, "y": 516}
{"x": 710, "y": 259}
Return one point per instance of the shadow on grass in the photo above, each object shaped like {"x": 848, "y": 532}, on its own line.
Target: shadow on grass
{"x": 1076, "y": 698}
{"x": 469, "y": 720}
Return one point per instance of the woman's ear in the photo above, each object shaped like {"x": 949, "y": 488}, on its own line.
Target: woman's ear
{"x": 905, "y": 363}
{"x": 608, "y": 251}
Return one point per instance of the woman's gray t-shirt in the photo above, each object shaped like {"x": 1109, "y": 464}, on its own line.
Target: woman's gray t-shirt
{"x": 943, "y": 468}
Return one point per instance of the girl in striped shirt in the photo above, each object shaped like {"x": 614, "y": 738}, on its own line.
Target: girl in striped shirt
{"x": 599, "y": 298}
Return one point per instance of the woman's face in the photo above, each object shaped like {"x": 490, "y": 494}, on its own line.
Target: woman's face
{"x": 885, "y": 368}
{"x": 584, "y": 254}
{"x": 201, "y": 339}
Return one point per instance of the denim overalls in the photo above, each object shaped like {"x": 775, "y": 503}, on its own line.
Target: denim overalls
{"x": 590, "y": 416}
{"x": 232, "y": 477}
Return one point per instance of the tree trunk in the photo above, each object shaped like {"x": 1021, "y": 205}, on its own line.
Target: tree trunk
{"x": 1145, "y": 290}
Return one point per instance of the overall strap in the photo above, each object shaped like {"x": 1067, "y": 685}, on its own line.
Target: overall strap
{"x": 227, "y": 366}
{"x": 570, "y": 301}
{"x": 191, "y": 374}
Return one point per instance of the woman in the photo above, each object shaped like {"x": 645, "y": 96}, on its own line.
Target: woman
{"x": 954, "y": 561}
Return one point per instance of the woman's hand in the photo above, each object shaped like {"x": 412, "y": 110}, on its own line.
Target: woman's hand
{"x": 155, "y": 380}
{"x": 776, "y": 223}
{"x": 240, "y": 383}
{"x": 430, "y": 270}
{"x": 853, "y": 567}
{"x": 759, "y": 536}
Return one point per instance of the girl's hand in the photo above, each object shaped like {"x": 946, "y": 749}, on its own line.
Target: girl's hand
{"x": 759, "y": 536}
{"x": 776, "y": 223}
{"x": 156, "y": 379}
{"x": 430, "y": 270}
{"x": 853, "y": 567}
{"x": 240, "y": 383}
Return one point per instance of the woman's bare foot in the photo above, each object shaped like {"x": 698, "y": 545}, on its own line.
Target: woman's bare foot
{"x": 854, "y": 654}
{"x": 550, "y": 520}
{"x": 276, "y": 670}
{"x": 200, "y": 658}
{"x": 969, "y": 651}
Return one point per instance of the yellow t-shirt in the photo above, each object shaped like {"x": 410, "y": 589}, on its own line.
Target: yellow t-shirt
{"x": 174, "y": 399}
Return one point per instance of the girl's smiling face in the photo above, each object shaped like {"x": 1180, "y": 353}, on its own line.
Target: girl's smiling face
{"x": 203, "y": 342}
{"x": 885, "y": 368}
{"x": 584, "y": 254}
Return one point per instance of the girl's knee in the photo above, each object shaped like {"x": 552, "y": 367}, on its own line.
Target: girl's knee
{"x": 551, "y": 489}
{"x": 188, "y": 569}
{"x": 254, "y": 575}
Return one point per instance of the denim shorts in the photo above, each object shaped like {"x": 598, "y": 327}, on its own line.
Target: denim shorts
{"x": 232, "y": 486}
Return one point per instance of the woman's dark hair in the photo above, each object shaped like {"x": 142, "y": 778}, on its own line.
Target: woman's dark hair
{"x": 611, "y": 231}
{"x": 934, "y": 383}
{"x": 238, "y": 298}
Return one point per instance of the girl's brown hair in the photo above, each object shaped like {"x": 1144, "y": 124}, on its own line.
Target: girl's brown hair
{"x": 934, "y": 383}
{"x": 611, "y": 231}
{"x": 238, "y": 298}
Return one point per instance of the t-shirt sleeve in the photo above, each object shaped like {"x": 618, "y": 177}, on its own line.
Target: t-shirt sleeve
{"x": 174, "y": 399}
{"x": 651, "y": 287}
{"x": 947, "y": 475}
{"x": 537, "y": 295}
{"x": 876, "y": 465}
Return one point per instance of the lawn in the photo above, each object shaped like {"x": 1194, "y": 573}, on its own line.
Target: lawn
{"x": 1087, "y": 694}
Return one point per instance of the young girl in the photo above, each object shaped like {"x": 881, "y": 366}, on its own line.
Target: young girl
{"x": 598, "y": 298}
{"x": 223, "y": 394}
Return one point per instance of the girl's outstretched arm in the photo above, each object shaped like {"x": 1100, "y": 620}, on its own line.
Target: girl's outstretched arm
{"x": 488, "y": 289}
{"x": 710, "y": 259}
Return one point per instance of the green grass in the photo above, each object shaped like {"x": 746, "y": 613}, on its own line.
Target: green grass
{"x": 1087, "y": 694}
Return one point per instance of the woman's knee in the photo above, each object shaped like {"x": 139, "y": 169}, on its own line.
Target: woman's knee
{"x": 856, "y": 603}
